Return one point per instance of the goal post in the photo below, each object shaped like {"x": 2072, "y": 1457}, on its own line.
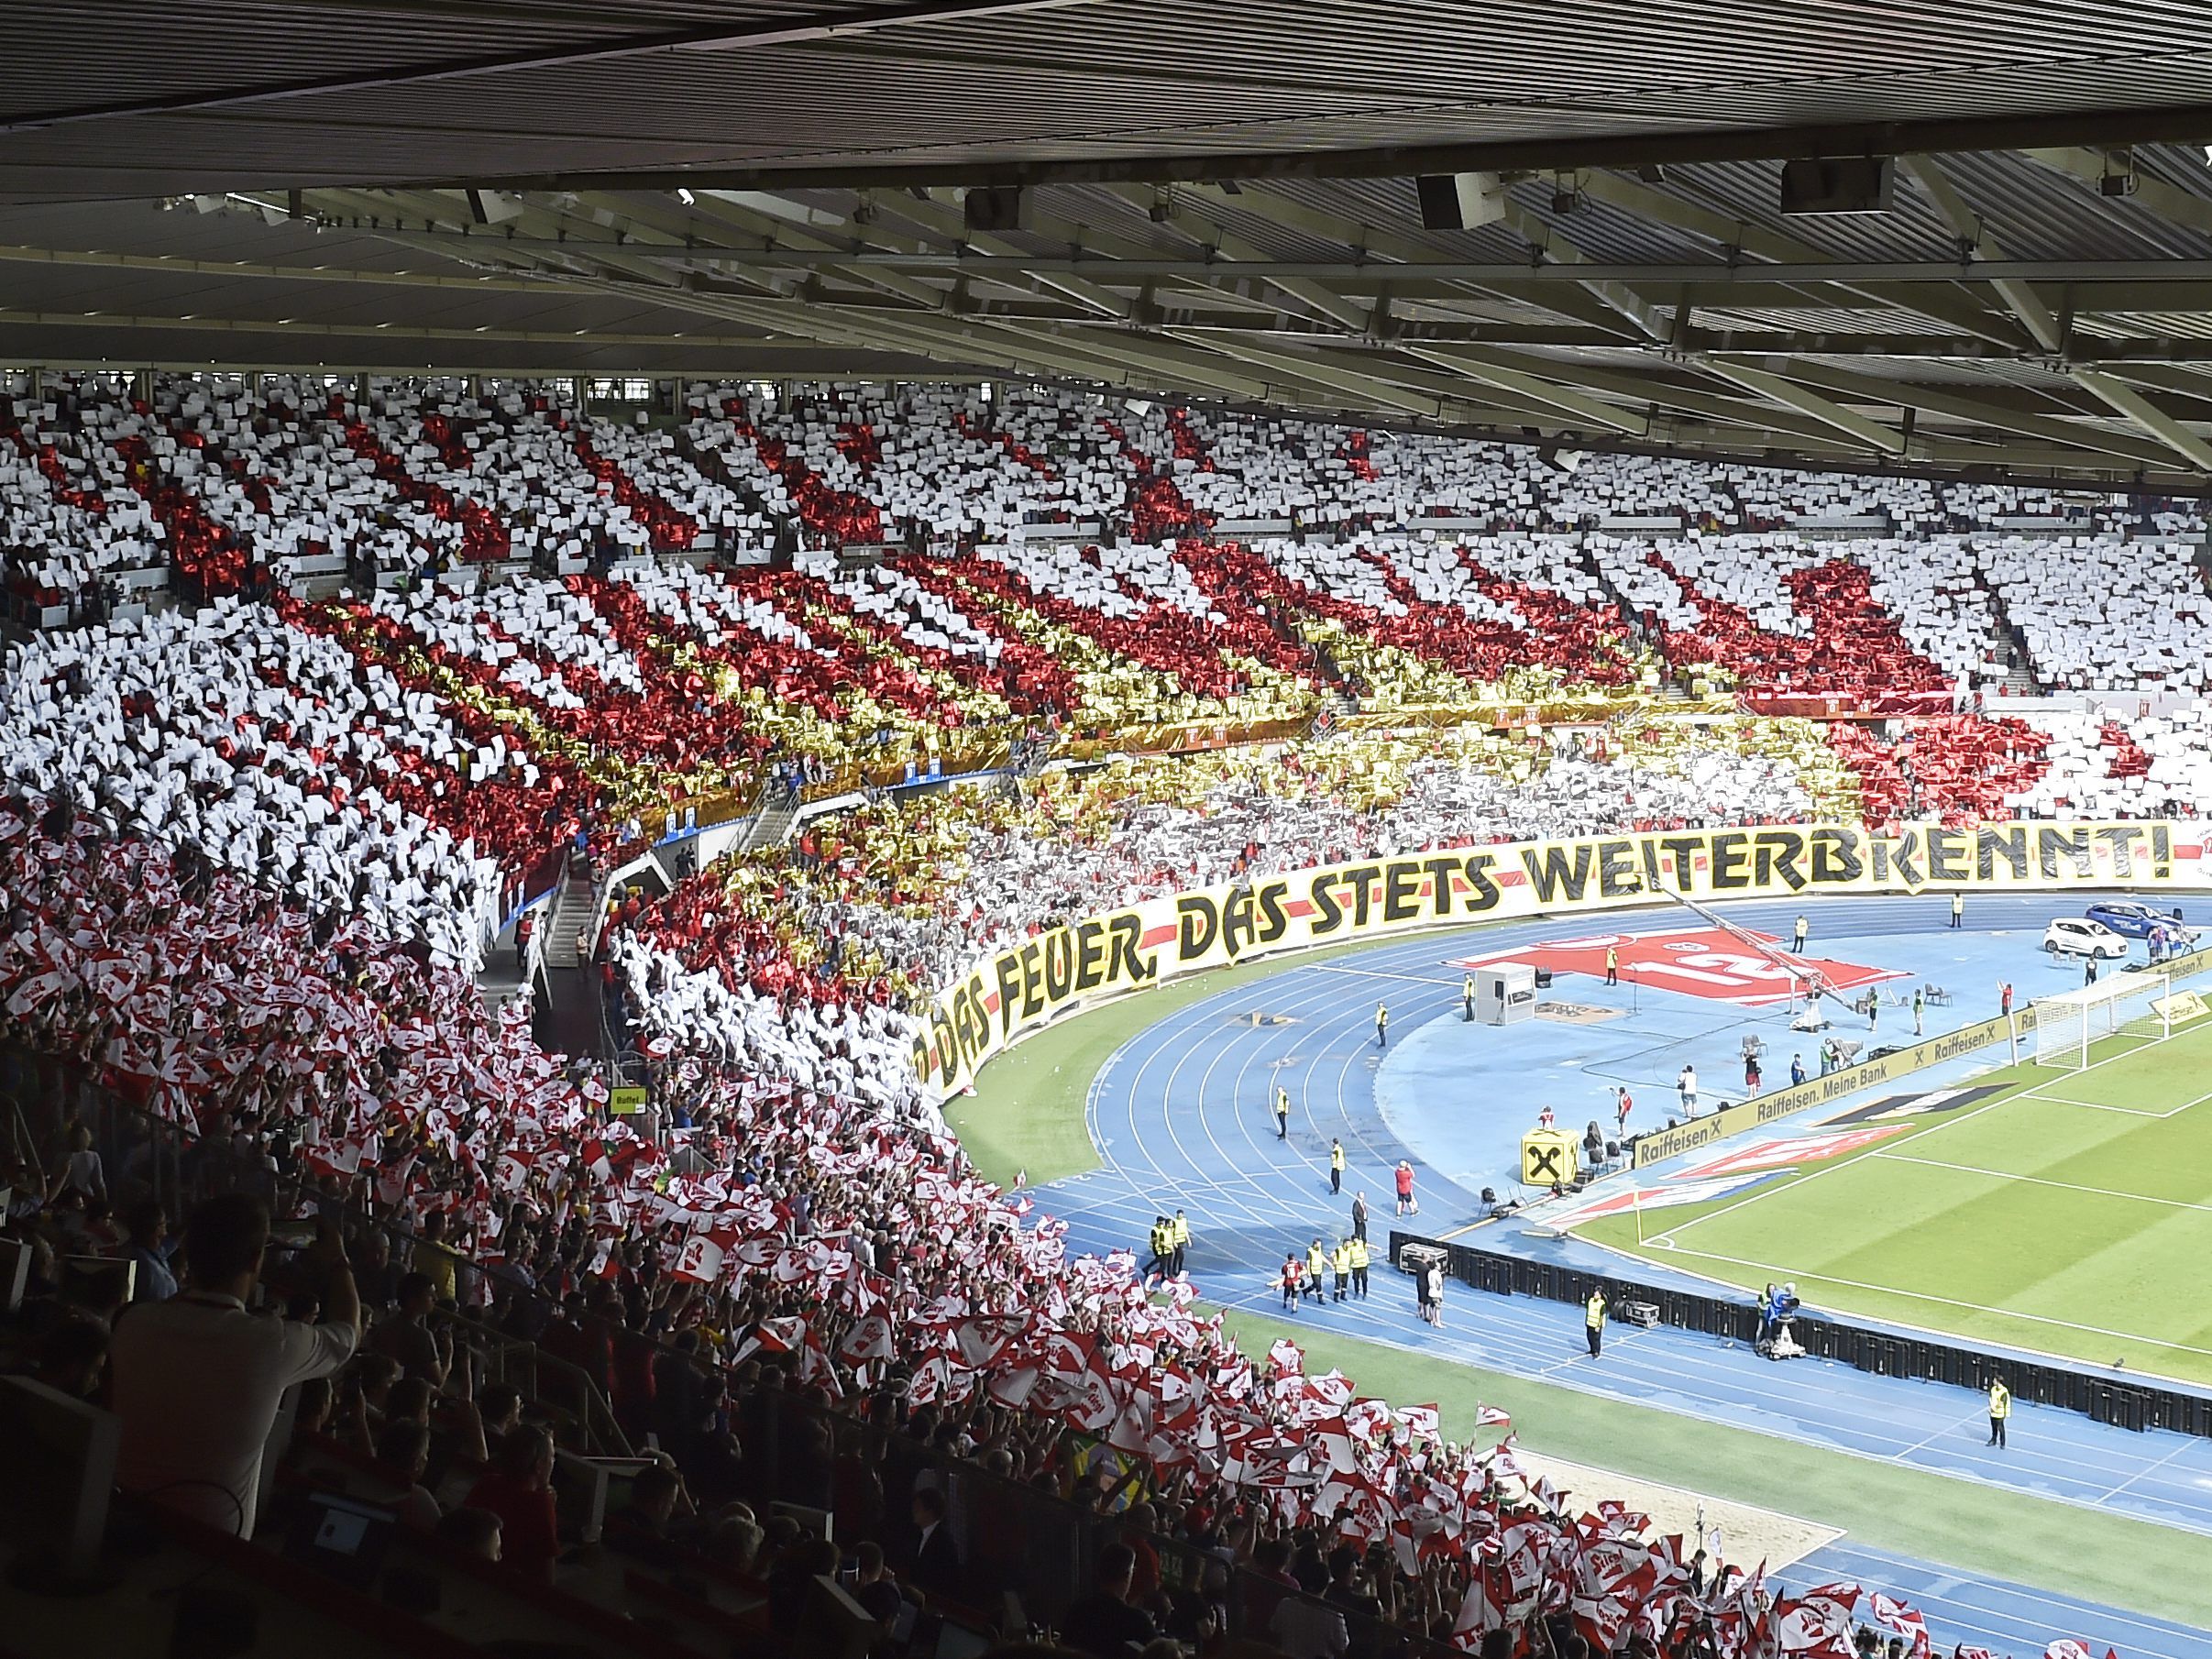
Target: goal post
{"x": 2130, "y": 1006}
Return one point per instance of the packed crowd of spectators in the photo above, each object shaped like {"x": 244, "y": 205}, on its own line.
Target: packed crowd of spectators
{"x": 264, "y": 841}
{"x": 770, "y": 1252}
{"x": 883, "y": 902}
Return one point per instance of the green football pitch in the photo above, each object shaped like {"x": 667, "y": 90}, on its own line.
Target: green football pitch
{"x": 2070, "y": 1213}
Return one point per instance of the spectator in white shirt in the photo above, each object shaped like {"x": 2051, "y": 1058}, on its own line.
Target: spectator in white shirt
{"x": 83, "y": 1172}
{"x": 198, "y": 1379}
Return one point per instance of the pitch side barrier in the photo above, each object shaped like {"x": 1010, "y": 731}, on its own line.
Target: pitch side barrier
{"x": 1660, "y": 1145}
{"x": 1007, "y": 993}
{"x": 2131, "y": 1404}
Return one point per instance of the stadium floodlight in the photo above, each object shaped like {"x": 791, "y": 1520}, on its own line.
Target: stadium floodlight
{"x": 2133, "y": 1007}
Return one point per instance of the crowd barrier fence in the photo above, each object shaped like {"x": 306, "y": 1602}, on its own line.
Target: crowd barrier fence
{"x": 2132, "y": 1402}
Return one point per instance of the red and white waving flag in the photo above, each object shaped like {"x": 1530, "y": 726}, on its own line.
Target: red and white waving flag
{"x": 704, "y": 1256}
{"x": 512, "y": 1173}
{"x": 870, "y": 1338}
{"x": 1011, "y": 1385}
{"x": 776, "y": 1336}
{"x": 1287, "y": 1357}
{"x": 337, "y": 1158}
{"x": 1483, "y": 1609}
{"x": 1491, "y": 1417}
{"x": 1812, "y": 1628}
{"x": 1906, "y": 1621}
{"x": 1422, "y": 1422}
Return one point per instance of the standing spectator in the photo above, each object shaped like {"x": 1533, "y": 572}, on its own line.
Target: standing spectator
{"x": 1797, "y": 1070}
{"x": 1179, "y": 1240}
{"x": 1406, "y": 1202}
{"x": 2004, "y": 999}
{"x": 1751, "y": 1074}
{"x": 934, "y": 1565}
{"x": 1804, "y": 931}
{"x": 198, "y": 1379}
{"x": 1104, "y": 1622}
{"x": 435, "y": 1259}
{"x": 404, "y": 1448}
{"x": 1612, "y": 966}
{"x": 1335, "y": 1166}
{"x": 1359, "y": 1216}
{"x": 1686, "y": 1087}
{"x": 1382, "y": 1025}
{"x": 1466, "y": 999}
{"x": 1622, "y": 1106}
{"x": 1282, "y": 1113}
{"x": 151, "y": 1250}
{"x": 1593, "y": 1320}
{"x": 1919, "y": 1003}
{"x": 81, "y": 1171}
{"x": 2088, "y": 970}
{"x": 518, "y": 1488}
{"x": 407, "y": 1338}
{"x": 2000, "y": 1411}
{"x": 1958, "y": 909}
{"x": 1359, "y": 1261}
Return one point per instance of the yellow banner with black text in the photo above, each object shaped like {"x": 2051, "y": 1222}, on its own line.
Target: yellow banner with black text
{"x": 1660, "y": 1145}
{"x": 1017, "y": 989}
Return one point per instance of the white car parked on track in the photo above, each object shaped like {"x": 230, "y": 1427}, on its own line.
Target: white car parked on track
{"x": 2079, "y": 937}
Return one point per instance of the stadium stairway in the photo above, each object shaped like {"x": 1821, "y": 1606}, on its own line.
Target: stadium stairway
{"x": 772, "y": 823}
{"x": 573, "y": 909}
{"x": 2021, "y": 680}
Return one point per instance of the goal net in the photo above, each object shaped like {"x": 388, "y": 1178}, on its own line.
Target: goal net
{"x": 2129, "y": 1008}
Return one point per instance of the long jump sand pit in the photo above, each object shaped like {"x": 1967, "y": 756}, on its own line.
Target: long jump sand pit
{"x": 1747, "y": 1535}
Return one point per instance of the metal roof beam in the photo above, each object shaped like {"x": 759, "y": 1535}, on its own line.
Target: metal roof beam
{"x": 2170, "y": 123}
{"x": 1873, "y": 434}
{"x": 1536, "y": 389}
{"x": 1233, "y": 248}
{"x": 2141, "y": 284}
{"x": 1633, "y": 195}
{"x": 1965, "y": 225}
{"x": 2175, "y": 206}
{"x": 945, "y": 219}
{"x": 1577, "y": 304}
{"x": 717, "y": 37}
{"x": 2097, "y": 435}
{"x": 1378, "y": 394}
{"x": 2149, "y": 417}
{"x": 1659, "y": 390}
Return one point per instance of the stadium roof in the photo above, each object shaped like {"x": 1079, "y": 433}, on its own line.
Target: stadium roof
{"x": 1215, "y": 202}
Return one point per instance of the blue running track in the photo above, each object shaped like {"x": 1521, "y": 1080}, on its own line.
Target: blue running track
{"x": 1180, "y": 1115}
